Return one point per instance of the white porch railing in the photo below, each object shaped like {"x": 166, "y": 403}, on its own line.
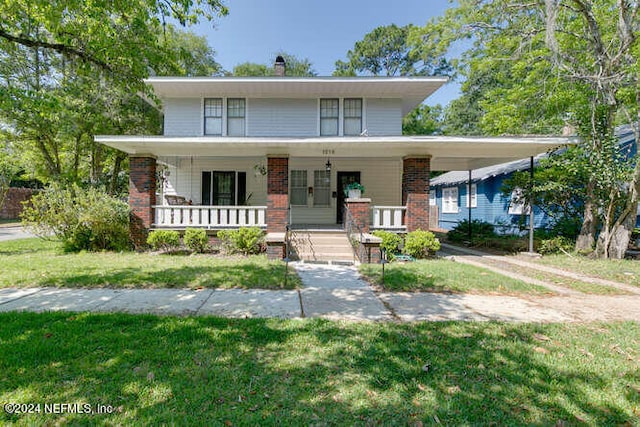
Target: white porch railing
{"x": 389, "y": 217}
{"x": 210, "y": 216}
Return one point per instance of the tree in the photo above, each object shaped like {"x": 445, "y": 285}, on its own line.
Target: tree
{"x": 386, "y": 51}
{"x": 8, "y": 170}
{"x": 579, "y": 58}
{"x": 423, "y": 120}
{"x": 118, "y": 38}
{"x": 296, "y": 67}
{"x": 76, "y": 95}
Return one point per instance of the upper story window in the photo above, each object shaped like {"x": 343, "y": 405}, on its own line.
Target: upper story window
{"x": 352, "y": 116}
{"x": 329, "y": 114}
{"x": 235, "y": 117}
{"x": 213, "y": 116}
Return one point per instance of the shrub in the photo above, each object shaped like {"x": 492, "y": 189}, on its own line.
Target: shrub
{"x": 83, "y": 219}
{"x": 245, "y": 240}
{"x": 390, "y": 242}
{"x": 164, "y": 240}
{"x": 479, "y": 230}
{"x": 421, "y": 244}
{"x": 555, "y": 245}
{"x": 196, "y": 239}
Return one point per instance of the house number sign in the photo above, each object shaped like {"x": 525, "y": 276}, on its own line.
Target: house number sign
{"x": 328, "y": 151}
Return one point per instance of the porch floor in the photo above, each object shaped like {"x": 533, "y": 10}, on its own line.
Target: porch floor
{"x": 318, "y": 227}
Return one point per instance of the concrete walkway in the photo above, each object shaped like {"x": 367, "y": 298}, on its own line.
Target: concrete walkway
{"x": 333, "y": 292}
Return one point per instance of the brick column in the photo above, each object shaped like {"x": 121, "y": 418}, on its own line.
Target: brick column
{"x": 277, "y": 194}
{"x": 415, "y": 191}
{"x": 142, "y": 197}
{"x": 359, "y": 209}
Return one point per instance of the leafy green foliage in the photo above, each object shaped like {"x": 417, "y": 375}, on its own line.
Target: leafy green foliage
{"x": 390, "y": 242}
{"x": 555, "y": 245}
{"x": 83, "y": 219}
{"x": 245, "y": 240}
{"x": 297, "y": 67}
{"x": 479, "y": 230}
{"x": 421, "y": 244}
{"x": 196, "y": 239}
{"x": 386, "y": 51}
{"x": 423, "y": 120}
{"x": 165, "y": 240}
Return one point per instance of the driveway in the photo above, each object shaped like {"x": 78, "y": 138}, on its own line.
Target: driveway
{"x": 13, "y": 233}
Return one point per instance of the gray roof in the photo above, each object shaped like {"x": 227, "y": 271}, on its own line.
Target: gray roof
{"x": 625, "y": 135}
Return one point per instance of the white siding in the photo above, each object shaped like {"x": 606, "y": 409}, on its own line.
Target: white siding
{"x": 183, "y": 116}
{"x": 185, "y": 178}
{"x": 282, "y": 117}
{"x": 382, "y": 179}
{"x": 384, "y": 117}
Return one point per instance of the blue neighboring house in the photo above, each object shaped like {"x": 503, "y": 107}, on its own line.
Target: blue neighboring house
{"x": 449, "y": 192}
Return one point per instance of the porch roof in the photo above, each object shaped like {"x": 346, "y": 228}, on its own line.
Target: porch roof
{"x": 446, "y": 152}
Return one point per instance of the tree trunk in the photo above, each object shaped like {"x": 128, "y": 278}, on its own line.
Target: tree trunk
{"x": 587, "y": 238}
{"x": 620, "y": 236}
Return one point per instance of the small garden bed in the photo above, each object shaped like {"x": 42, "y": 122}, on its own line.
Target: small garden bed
{"x": 35, "y": 262}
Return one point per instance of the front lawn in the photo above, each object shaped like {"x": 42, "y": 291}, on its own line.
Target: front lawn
{"x": 150, "y": 370}
{"x": 623, "y": 271}
{"x": 439, "y": 275}
{"x": 34, "y": 262}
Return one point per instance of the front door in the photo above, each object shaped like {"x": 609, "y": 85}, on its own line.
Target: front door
{"x": 344, "y": 179}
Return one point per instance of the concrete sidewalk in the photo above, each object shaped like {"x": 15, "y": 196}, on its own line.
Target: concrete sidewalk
{"x": 332, "y": 292}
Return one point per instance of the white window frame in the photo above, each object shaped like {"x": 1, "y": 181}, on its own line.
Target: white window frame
{"x": 474, "y": 196}
{"x": 336, "y": 118}
{"x": 321, "y": 182}
{"x": 301, "y": 188}
{"x": 450, "y": 200}
{"x": 240, "y": 118}
{"x": 346, "y": 117}
{"x": 220, "y": 118}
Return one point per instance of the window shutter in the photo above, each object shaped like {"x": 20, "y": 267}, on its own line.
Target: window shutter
{"x": 206, "y": 188}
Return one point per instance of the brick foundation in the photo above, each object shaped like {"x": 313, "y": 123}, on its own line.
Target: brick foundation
{"x": 277, "y": 194}
{"x": 142, "y": 197}
{"x": 12, "y": 206}
{"x": 415, "y": 191}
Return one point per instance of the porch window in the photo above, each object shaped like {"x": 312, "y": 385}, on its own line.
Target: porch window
{"x": 224, "y": 188}
{"x": 322, "y": 186}
{"x": 235, "y": 117}
{"x": 432, "y": 197}
{"x": 450, "y": 200}
{"x": 329, "y": 109}
{"x": 352, "y": 116}
{"x": 213, "y": 116}
{"x": 474, "y": 196}
{"x": 299, "y": 187}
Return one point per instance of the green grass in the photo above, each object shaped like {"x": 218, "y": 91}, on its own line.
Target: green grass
{"x": 34, "y": 262}
{"x": 623, "y": 271}
{"x": 445, "y": 276}
{"x": 212, "y": 371}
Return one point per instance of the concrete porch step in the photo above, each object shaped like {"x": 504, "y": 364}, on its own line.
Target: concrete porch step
{"x": 322, "y": 246}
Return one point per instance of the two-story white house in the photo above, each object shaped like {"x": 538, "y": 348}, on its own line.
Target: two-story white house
{"x": 271, "y": 151}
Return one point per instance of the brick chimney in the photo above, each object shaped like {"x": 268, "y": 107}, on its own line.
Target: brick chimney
{"x": 279, "y": 67}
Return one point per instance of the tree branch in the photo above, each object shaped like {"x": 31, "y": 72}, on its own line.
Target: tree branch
{"x": 58, "y": 47}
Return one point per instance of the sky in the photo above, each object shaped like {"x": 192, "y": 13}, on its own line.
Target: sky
{"x": 320, "y": 30}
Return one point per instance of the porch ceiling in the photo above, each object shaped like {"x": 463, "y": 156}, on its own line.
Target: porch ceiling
{"x": 447, "y": 152}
